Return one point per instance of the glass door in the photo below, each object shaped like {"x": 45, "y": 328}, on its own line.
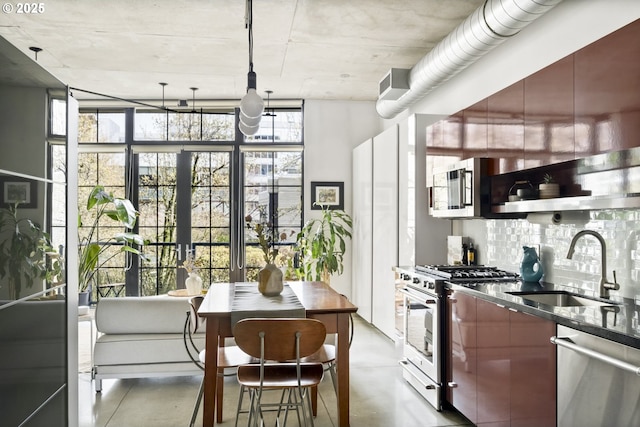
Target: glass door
{"x": 210, "y": 215}
{"x": 185, "y": 205}
{"x": 272, "y": 184}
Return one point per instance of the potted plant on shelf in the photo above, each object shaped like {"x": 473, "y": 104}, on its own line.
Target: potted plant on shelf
{"x": 322, "y": 244}
{"x": 26, "y": 255}
{"x": 92, "y": 251}
{"x": 549, "y": 188}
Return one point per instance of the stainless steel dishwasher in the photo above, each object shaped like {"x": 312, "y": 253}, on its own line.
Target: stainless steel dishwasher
{"x": 598, "y": 381}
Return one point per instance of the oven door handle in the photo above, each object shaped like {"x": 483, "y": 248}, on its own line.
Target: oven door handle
{"x": 418, "y": 297}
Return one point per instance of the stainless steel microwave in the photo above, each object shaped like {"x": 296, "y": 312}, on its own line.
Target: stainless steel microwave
{"x": 461, "y": 189}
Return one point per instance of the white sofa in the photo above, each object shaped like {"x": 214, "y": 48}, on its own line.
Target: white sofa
{"x": 142, "y": 337}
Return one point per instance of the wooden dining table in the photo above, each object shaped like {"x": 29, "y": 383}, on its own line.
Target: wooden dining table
{"x": 320, "y": 302}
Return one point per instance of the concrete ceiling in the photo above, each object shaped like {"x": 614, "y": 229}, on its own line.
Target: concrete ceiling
{"x": 303, "y": 49}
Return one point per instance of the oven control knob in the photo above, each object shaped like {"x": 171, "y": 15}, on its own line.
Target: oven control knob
{"x": 416, "y": 280}
{"x": 405, "y": 276}
{"x": 431, "y": 285}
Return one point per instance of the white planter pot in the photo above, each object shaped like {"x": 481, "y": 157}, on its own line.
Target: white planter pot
{"x": 193, "y": 284}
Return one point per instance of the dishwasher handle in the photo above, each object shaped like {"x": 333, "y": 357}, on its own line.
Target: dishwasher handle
{"x": 567, "y": 343}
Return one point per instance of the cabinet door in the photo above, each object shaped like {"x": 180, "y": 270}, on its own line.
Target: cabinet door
{"x": 505, "y": 137}
{"x": 501, "y": 366}
{"x": 607, "y": 84}
{"x": 494, "y": 365}
{"x": 362, "y": 229}
{"x": 475, "y": 130}
{"x": 549, "y": 115}
{"x": 385, "y": 229}
{"x": 462, "y": 353}
{"x": 533, "y": 371}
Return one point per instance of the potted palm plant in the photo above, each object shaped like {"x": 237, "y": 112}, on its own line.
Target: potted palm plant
{"x": 93, "y": 252}
{"x": 322, "y": 244}
{"x": 26, "y": 255}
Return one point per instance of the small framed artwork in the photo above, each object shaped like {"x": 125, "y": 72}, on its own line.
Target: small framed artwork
{"x": 18, "y": 190}
{"x": 327, "y": 195}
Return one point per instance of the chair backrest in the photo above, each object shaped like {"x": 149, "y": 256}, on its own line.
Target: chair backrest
{"x": 196, "y": 321}
{"x": 280, "y": 337}
{"x": 190, "y": 327}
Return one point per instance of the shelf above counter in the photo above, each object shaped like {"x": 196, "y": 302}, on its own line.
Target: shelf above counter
{"x": 576, "y": 203}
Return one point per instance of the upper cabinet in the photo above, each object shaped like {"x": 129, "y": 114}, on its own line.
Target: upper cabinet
{"x": 549, "y": 115}
{"x": 580, "y": 106}
{"x": 607, "y": 88}
{"x": 505, "y": 128}
{"x": 475, "y": 130}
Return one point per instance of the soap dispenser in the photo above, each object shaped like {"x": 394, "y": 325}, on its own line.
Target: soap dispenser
{"x": 531, "y": 267}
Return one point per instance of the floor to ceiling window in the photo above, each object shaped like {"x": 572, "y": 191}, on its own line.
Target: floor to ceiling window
{"x": 194, "y": 178}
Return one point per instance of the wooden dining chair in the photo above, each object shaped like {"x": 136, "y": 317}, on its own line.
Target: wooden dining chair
{"x": 327, "y": 356}
{"x": 228, "y": 357}
{"x": 280, "y": 345}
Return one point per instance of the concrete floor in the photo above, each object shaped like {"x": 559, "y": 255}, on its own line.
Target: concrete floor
{"x": 379, "y": 395}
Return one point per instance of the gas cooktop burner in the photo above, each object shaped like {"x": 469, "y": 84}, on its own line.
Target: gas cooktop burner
{"x": 466, "y": 272}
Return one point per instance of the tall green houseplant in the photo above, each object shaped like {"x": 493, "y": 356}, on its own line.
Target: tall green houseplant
{"x": 23, "y": 254}
{"x": 322, "y": 244}
{"x": 92, "y": 252}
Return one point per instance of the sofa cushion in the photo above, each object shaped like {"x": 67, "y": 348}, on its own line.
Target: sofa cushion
{"x": 141, "y": 315}
{"x": 131, "y": 349}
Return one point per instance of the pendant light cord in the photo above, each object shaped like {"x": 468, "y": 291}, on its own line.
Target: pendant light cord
{"x": 249, "y": 26}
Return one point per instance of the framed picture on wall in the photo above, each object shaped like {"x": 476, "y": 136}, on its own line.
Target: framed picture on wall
{"x": 327, "y": 194}
{"x": 18, "y": 190}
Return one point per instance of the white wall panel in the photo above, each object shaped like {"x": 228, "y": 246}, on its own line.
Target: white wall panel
{"x": 332, "y": 129}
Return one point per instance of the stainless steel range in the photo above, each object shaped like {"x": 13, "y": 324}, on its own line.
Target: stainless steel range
{"x": 423, "y": 346}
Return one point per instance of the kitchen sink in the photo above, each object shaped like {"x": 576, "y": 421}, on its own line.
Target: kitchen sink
{"x": 561, "y": 299}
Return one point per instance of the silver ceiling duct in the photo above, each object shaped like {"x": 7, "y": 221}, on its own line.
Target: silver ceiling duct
{"x": 490, "y": 25}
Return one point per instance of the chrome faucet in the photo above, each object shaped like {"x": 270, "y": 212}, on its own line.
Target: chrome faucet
{"x": 605, "y": 285}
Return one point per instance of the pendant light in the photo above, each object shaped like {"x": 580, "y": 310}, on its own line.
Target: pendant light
{"x": 193, "y": 99}
{"x": 251, "y": 105}
{"x": 163, "y": 84}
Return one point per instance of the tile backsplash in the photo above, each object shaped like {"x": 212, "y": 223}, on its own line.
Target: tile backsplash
{"x": 619, "y": 228}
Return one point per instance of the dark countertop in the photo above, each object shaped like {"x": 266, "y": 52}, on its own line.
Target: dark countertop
{"x": 616, "y": 322}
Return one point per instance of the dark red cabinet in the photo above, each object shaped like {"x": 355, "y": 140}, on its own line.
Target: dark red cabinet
{"x": 500, "y": 364}
{"x": 462, "y": 349}
{"x": 533, "y": 370}
{"x": 584, "y": 104}
{"x": 549, "y": 115}
{"x": 607, "y": 83}
{"x": 505, "y": 122}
